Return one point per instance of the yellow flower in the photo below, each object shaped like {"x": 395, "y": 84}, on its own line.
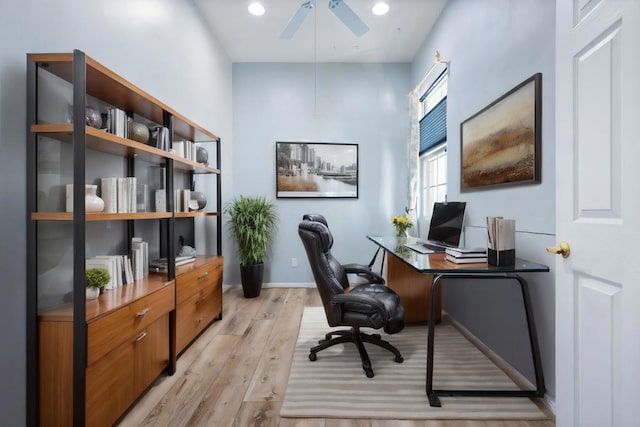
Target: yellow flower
{"x": 401, "y": 223}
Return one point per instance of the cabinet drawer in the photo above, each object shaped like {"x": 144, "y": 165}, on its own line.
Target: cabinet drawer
{"x": 109, "y": 331}
{"x": 207, "y": 275}
{"x": 109, "y": 386}
{"x": 193, "y": 315}
{"x": 116, "y": 380}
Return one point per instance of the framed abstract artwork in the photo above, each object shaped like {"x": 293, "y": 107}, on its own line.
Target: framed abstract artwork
{"x": 316, "y": 170}
{"x": 501, "y": 144}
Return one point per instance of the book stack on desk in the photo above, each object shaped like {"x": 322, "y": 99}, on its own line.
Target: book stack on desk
{"x": 466, "y": 255}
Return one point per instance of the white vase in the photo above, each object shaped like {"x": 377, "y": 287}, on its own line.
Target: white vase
{"x": 92, "y": 293}
{"x": 92, "y": 203}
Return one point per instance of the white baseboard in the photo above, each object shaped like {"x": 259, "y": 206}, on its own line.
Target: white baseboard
{"x": 514, "y": 374}
{"x": 276, "y": 285}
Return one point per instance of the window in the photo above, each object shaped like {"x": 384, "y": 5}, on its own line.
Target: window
{"x": 433, "y": 176}
{"x": 433, "y": 145}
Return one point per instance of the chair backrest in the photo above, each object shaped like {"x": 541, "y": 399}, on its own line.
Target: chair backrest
{"x": 321, "y": 219}
{"x": 316, "y": 218}
{"x": 328, "y": 273}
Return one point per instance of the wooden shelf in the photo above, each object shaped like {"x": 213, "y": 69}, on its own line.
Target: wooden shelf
{"x": 110, "y": 300}
{"x": 104, "y": 84}
{"x": 99, "y": 216}
{"x": 195, "y": 214}
{"x": 100, "y": 140}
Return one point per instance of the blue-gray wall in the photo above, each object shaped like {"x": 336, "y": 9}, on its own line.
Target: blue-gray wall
{"x": 364, "y": 104}
{"x": 162, "y": 46}
{"x": 493, "y": 45}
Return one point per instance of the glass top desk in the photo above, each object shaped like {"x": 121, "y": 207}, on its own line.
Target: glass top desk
{"x": 436, "y": 264}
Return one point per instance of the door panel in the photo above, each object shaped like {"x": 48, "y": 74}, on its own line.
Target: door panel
{"x": 598, "y": 212}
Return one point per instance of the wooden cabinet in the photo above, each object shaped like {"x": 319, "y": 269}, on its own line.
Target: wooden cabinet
{"x": 414, "y": 290}
{"x": 120, "y": 368}
{"x": 87, "y": 361}
{"x": 198, "y": 298}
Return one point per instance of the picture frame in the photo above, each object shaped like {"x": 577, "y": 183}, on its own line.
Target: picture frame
{"x": 316, "y": 170}
{"x": 501, "y": 144}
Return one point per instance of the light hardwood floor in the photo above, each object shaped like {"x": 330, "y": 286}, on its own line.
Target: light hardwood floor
{"x": 236, "y": 372}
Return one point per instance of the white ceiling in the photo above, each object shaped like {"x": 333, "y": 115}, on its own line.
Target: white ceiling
{"x": 322, "y": 37}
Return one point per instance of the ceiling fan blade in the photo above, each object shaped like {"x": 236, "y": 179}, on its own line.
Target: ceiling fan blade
{"x": 297, "y": 19}
{"x": 348, "y": 17}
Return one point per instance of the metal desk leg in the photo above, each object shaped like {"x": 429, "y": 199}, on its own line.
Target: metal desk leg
{"x": 432, "y": 394}
{"x": 533, "y": 337}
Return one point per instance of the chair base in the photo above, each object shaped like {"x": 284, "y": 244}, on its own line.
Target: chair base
{"x": 358, "y": 338}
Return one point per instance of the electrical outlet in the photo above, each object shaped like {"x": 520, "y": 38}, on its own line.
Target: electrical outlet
{"x": 294, "y": 262}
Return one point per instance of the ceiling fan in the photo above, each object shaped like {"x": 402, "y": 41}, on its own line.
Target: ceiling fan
{"x": 338, "y": 7}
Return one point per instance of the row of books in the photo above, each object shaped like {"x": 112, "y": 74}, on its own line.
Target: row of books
{"x": 120, "y": 195}
{"x": 160, "y": 138}
{"x": 186, "y": 149}
{"x": 466, "y": 255}
{"x": 181, "y": 200}
{"x": 117, "y": 122}
{"x": 124, "y": 269}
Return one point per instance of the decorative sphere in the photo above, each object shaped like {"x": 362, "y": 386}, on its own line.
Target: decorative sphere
{"x": 200, "y": 198}
{"x": 139, "y": 132}
{"x": 93, "y": 117}
{"x": 202, "y": 155}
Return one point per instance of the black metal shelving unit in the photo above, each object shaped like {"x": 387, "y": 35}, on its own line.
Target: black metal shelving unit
{"x": 80, "y": 71}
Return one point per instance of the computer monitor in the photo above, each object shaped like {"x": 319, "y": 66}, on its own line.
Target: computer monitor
{"x": 446, "y": 223}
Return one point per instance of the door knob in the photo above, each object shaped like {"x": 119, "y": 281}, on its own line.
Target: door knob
{"x": 563, "y": 249}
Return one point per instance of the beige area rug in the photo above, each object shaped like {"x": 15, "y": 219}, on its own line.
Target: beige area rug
{"x": 335, "y": 385}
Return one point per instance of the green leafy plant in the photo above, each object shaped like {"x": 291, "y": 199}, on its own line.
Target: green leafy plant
{"x": 97, "y": 277}
{"x": 253, "y": 222}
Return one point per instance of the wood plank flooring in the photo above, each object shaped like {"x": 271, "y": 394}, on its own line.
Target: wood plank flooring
{"x": 235, "y": 373}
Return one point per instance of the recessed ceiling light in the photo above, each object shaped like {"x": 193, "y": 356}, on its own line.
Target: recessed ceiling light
{"x": 256, "y": 9}
{"x": 380, "y": 8}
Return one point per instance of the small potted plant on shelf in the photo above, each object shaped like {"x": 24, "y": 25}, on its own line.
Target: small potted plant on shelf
{"x": 96, "y": 279}
{"x": 253, "y": 222}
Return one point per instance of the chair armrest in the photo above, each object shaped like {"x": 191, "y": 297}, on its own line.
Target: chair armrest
{"x": 363, "y": 299}
{"x": 363, "y": 271}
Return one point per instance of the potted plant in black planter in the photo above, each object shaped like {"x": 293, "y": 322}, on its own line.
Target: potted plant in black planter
{"x": 253, "y": 222}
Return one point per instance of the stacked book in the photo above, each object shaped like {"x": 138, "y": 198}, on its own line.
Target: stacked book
{"x": 466, "y": 255}
{"x": 185, "y": 148}
{"x": 118, "y": 266}
{"x": 117, "y": 122}
{"x": 161, "y": 264}
{"x": 120, "y": 195}
{"x": 124, "y": 269}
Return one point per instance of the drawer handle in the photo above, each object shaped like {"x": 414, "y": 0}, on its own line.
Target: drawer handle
{"x": 203, "y": 275}
{"x": 141, "y": 336}
{"x": 142, "y": 312}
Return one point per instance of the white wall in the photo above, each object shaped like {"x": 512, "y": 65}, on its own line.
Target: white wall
{"x": 492, "y": 46}
{"x": 364, "y": 104}
{"x": 162, "y": 46}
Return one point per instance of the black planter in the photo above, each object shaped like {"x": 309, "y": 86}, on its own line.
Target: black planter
{"x": 251, "y": 278}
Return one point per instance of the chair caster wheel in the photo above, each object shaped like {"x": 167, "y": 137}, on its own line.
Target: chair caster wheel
{"x": 399, "y": 359}
{"x": 369, "y": 373}
{"x": 313, "y": 357}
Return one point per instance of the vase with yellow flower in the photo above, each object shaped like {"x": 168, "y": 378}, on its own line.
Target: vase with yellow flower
{"x": 401, "y": 223}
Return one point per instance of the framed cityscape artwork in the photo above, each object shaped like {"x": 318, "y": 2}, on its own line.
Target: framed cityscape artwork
{"x": 316, "y": 170}
{"x": 501, "y": 144}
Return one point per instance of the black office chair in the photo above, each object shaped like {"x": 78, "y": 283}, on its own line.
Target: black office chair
{"x": 372, "y": 305}
{"x": 352, "y": 268}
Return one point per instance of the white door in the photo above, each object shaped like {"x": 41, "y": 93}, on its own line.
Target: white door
{"x": 598, "y": 212}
